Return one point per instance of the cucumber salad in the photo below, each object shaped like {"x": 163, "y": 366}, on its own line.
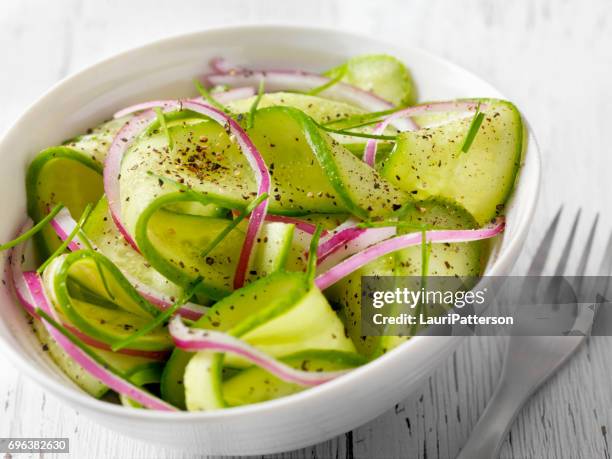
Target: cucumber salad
{"x": 206, "y": 253}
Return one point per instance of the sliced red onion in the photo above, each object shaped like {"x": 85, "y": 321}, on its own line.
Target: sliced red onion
{"x": 195, "y": 339}
{"x": 356, "y": 242}
{"x": 63, "y": 224}
{"x": 369, "y": 154}
{"x": 221, "y": 97}
{"x": 297, "y": 80}
{"x": 112, "y": 167}
{"x": 222, "y": 65}
{"x": 362, "y": 258}
{"x": 35, "y": 290}
{"x": 301, "y": 225}
{"x": 342, "y": 233}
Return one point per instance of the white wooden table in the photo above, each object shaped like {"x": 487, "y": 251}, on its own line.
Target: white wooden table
{"x": 552, "y": 58}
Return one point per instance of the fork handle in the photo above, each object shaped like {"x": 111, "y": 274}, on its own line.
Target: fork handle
{"x": 490, "y": 431}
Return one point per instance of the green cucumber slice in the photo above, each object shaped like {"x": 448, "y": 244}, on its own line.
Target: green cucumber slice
{"x": 60, "y": 174}
{"x": 309, "y": 324}
{"x": 337, "y": 180}
{"x": 71, "y": 174}
{"x": 320, "y": 109}
{"x": 272, "y": 249}
{"x": 174, "y": 244}
{"x": 271, "y": 294}
{"x": 148, "y": 373}
{"x": 203, "y": 382}
{"x": 97, "y": 141}
{"x": 381, "y": 74}
{"x": 429, "y": 162}
{"x": 458, "y": 259}
{"x": 255, "y": 385}
{"x": 123, "y": 311}
{"x": 91, "y": 385}
{"x": 103, "y": 233}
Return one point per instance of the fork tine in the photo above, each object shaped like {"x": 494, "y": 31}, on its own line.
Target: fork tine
{"x": 539, "y": 260}
{"x": 603, "y": 324}
{"x": 587, "y": 249}
{"x": 582, "y": 265}
{"x": 568, "y": 247}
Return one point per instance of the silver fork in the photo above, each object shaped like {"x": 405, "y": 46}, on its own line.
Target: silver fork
{"x": 521, "y": 376}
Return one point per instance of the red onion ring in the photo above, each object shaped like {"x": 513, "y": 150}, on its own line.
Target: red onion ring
{"x": 221, "y": 97}
{"x": 112, "y": 167}
{"x": 355, "y": 242}
{"x": 194, "y": 339}
{"x": 222, "y": 65}
{"x": 373, "y": 252}
{"x": 301, "y": 225}
{"x": 297, "y": 80}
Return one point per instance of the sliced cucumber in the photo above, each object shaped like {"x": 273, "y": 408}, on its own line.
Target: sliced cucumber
{"x": 320, "y": 109}
{"x": 255, "y": 385}
{"x": 148, "y": 373}
{"x": 310, "y": 323}
{"x": 277, "y": 314}
{"x": 203, "y": 382}
{"x": 429, "y": 162}
{"x": 123, "y": 312}
{"x": 271, "y": 293}
{"x": 70, "y": 174}
{"x": 60, "y": 174}
{"x": 102, "y": 232}
{"x": 80, "y": 377}
{"x": 272, "y": 250}
{"x": 124, "y": 363}
{"x": 337, "y": 181}
{"x": 458, "y": 259}
{"x": 96, "y": 143}
{"x": 175, "y": 243}
{"x": 381, "y": 74}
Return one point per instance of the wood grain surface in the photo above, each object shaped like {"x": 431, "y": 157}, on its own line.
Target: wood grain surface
{"x": 552, "y": 58}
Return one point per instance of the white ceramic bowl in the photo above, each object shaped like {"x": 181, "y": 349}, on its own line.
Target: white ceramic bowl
{"x": 165, "y": 69}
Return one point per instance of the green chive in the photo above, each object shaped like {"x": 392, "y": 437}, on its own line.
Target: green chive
{"x": 425, "y": 251}
{"x": 32, "y": 231}
{"x": 329, "y": 84}
{"x": 69, "y": 239}
{"x": 359, "y": 118}
{"x": 253, "y": 109}
{"x": 161, "y": 318}
{"x": 396, "y": 223}
{"x": 88, "y": 245}
{"x": 161, "y": 118}
{"x": 78, "y": 343}
{"x": 357, "y": 134}
{"x": 473, "y": 130}
{"x": 208, "y": 97}
{"x": 234, "y": 223}
{"x": 311, "y": 269}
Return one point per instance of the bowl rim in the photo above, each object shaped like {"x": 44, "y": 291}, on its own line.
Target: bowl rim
{"x": 75, "y": 396}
